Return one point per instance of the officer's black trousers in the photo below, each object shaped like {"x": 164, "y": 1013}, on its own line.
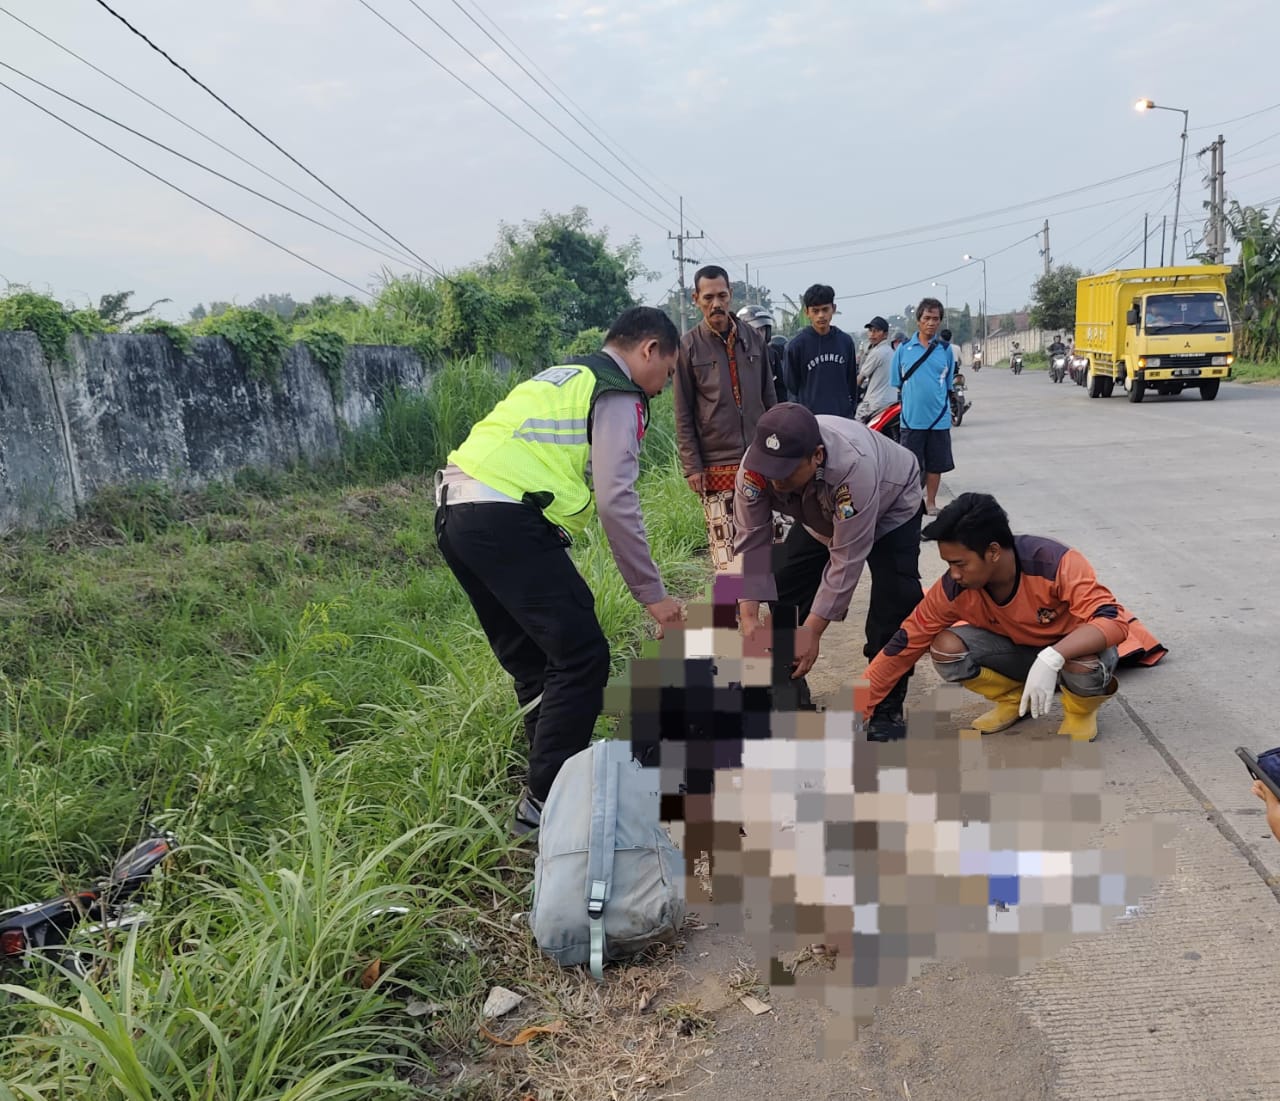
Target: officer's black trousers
{"x": 894, "y": 565}
{"x": 539, "y": 616}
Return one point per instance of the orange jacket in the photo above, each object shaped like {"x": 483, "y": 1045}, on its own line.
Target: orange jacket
{"x": 1056, "y": 592}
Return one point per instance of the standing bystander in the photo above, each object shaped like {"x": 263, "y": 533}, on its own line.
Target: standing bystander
{"x": 873, "y": 375}
{"x": 722, "y": 386}
{"x": 822, "y": 367}
{"x": 923, "y": 372}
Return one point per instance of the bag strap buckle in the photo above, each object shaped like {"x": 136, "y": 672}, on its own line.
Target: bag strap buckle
{"x": 596, "y": 898}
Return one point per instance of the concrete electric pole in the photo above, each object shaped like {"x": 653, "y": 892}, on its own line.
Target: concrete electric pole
{"x": 679, "y": 257}
{"x": 1045, "y": 251}
{"x": 1215, "y": 238}
{"x": 1220, "y": 205}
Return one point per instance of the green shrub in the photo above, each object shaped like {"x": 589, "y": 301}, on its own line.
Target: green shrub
{"x": 585, "y": 343}
{"x": 259, "y": 340}
{"x": 328, "y": 348}
{"x": 26, "y": 311}
{"x": 179, "y": 337}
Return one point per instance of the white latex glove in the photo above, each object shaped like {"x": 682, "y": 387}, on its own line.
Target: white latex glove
{"x": 1041, "y": 681}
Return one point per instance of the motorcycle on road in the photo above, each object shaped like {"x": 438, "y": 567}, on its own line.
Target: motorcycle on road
{"x": 1015, "y": 363}
{"x": 960, "y": 402}
{"x": 1057, "y": 366}
{"x": 888, "y": 421}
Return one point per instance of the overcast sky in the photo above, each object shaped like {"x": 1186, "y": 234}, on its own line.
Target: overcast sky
{"x": 810, "y": 140}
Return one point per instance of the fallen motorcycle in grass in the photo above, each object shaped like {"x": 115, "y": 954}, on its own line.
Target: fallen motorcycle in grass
{"x": 62, "y": 930}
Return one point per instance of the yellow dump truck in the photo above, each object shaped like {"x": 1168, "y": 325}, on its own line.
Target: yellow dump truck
{"x": 1159, "y": 329}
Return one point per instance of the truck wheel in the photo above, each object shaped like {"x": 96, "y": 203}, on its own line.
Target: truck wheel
{"x": 1209, "y": 390}
{"x": 1108, "y": 387}
{"x": 1136, "y": 389}
{"x": 1095, "y": 385}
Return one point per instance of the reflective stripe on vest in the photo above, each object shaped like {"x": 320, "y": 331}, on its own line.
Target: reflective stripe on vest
{"x": 536, "y": 441}
{"x": 552, "y": 431}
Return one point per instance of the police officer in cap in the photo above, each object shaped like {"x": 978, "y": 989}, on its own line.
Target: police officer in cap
{"x": 526, "y": 481}
{"x": 857, "y": 501}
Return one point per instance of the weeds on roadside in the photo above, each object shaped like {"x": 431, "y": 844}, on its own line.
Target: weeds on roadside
{"x": 282, "y": 670}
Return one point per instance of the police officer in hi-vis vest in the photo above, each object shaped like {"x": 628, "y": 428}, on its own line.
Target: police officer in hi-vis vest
{"x": 528, "y": 478}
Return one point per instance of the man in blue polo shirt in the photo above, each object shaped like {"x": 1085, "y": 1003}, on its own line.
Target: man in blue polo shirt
{"x": 924, "y": 371}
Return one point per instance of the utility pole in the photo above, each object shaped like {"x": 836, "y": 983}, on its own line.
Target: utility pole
{"x": 1211, "y": 240}
{"x": 679, "y": 257}
{"x": 1145, "y": 234}
{"x": 747, "y": 285}
{"x": 1218, "y": 204}
{"x": 1045, "y": 251}
{"x": 1164, "y": 224}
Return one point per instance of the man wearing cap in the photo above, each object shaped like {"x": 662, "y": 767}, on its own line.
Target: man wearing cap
{"x": 856, "y": 497}
{"x": 873, "y": 375}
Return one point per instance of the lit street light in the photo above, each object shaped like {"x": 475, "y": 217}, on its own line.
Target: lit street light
{"x": 1148, "y": 105}
{"x": 981, "y": 260}
{"x": 946, "y": 299}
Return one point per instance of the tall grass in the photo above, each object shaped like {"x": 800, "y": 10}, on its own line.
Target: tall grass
{"x": 1245, "y": 370}
{"x": 282, "y": 671}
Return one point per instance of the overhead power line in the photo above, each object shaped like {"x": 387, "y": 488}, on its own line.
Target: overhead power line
{"x": 275, "y": 145}
{"x": 596, "y": 131}
{"x": 194, "y": 129}
{"x": 971, "y": 232}
{"x": 480, "y": 61}
{"x": 1238, "y": 118}
{"x": 940, "y": 274}
{"x": 958, "y": 221}
{"x": 175, "y": 187}
{"x": 518, "y": 125}
{"x": 204, "y": 167}
{"x": 1125, "y": 216}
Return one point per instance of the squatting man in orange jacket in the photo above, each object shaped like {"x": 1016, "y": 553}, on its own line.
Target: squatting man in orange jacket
{"x": 1013, "y": 619}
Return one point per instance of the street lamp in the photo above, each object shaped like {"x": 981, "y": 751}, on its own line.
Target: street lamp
{"x": 1148, "y": 105}
{"x": 981, "y": 260}
{"x": 946, "y": 299}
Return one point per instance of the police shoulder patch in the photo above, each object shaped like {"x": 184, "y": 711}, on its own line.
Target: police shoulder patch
{"x": 844, "y": 503}
{"x": 752, "y": 485}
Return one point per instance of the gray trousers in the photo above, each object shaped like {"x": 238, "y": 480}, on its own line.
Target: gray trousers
{"x": 1006, "y": 657}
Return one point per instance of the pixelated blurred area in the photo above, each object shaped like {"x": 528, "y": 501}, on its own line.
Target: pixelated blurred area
{"x": 850, "y": 865}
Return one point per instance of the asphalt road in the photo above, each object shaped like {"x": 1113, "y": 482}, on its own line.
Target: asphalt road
{"x": 1173, "y": 501}
{"x": 1176, "y": 502}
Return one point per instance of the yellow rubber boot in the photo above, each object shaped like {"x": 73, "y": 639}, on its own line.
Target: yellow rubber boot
{"x": 1004, "y": 692}
{"x": 1080, "y": 713}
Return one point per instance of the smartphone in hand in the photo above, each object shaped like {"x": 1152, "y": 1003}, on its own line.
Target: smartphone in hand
{"x": 1265, "y": 767}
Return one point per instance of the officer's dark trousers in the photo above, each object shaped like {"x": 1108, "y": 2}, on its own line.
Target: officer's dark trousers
{"x": 894, "y": 565}
{"x": 539, "y": 616}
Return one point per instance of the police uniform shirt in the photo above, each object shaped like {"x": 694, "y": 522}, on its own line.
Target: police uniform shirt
{"x": 867, "y": 487}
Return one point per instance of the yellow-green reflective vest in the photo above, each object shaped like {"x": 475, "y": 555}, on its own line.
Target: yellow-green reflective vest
{"x": 536, "y": 444}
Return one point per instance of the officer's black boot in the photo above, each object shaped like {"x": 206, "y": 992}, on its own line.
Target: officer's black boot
{"x": 887, "y": 721}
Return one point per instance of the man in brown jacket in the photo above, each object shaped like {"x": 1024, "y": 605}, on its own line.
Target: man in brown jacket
{"x": 722, "y": 386}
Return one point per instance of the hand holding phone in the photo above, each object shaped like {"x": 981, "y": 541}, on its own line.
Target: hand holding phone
{"x": 1264, "y": 770}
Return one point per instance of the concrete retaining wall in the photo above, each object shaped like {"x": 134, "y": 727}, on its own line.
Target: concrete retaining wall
{"x": 125, "y": 410}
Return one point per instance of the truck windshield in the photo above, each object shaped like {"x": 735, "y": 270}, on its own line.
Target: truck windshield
{"x": 1187, "y": 313}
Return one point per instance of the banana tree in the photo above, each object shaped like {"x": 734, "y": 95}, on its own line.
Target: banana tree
{"x": 1258, "y": 280}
